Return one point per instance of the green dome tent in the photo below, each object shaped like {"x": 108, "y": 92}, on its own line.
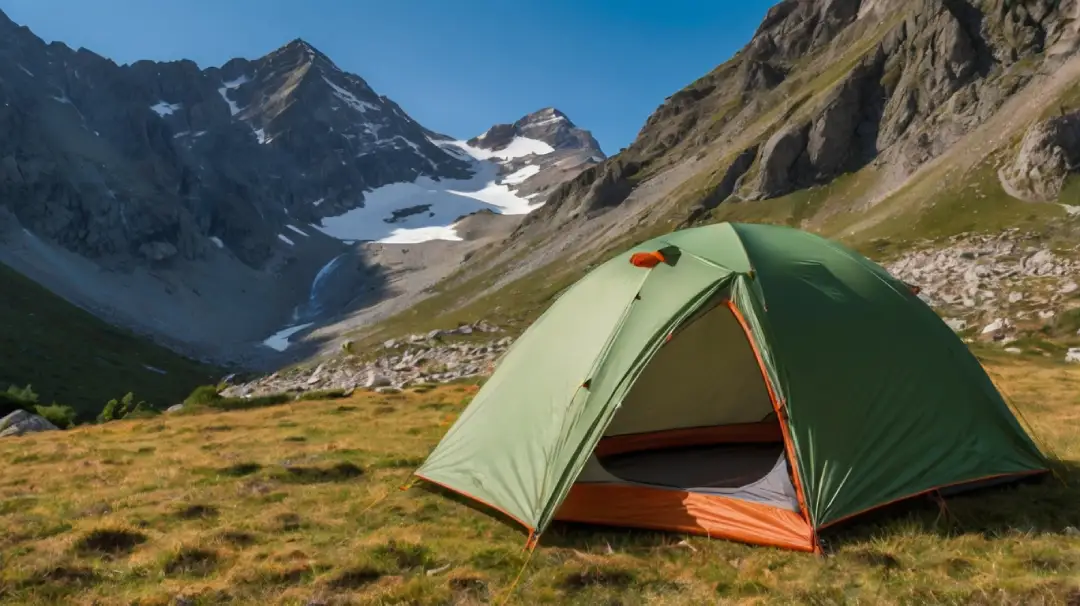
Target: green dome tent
{"x": 748, "y": 382}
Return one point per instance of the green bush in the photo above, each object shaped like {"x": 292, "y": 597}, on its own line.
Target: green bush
{"x": 24, "y": 398}
{"x": 125, "y": 407}
{"x": 10, "y": 403}
{"x": 204, "y": 395}
{"x": 256, "y": 402}
{"x": 61, "y": 416}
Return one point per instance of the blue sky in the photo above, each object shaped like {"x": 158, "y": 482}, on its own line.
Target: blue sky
{"x": 457, "y": 66}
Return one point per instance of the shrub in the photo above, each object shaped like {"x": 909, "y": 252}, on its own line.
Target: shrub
{"x": 24, "y": 398}
{"x": 61, "y": 416}
{"x": 325, "y": 394}
{"x": 124, "y": 408}
{"x": 255, "y": 402}
{"x": 9, "y": 404}
{"x": 204, "y": 395}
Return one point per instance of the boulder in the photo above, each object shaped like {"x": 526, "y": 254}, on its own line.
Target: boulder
{"x": 375, "y": 380}
{"x": 21, "y": 422}
{"x": 1049, "y": 152}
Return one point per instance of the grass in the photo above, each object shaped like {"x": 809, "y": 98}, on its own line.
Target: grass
{"x": 71, "y": 357}
{"x": 227, "y": 507}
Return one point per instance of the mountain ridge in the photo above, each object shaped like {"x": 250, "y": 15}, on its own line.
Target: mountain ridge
{"x": 190, "y": 191}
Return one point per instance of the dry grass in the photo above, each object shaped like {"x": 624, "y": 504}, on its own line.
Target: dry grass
{"x": 271, "y": 506}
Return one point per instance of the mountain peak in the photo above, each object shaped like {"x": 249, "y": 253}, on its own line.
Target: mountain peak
{"x": 547, "y": 115}
{"x": 300, "y": 48}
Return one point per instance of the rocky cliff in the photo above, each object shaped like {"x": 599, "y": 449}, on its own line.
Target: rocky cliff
{"x": 890, "y": 125}
{"x": 163, "y": 160}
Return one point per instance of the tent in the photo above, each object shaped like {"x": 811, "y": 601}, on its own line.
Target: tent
{"x": 749, "y": 382}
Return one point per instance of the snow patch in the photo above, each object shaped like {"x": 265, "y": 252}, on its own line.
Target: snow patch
{"x": 318, "y": 202}
{"x": 297, "y": 230}
{"x": 154, "y": 369}
{"x": 217, "y": 241}
{"x": 518, "y": 148}
{"x": 164, "y": 108}
{"x": 279, "y": 341}
{"x": 432, "y": 208}
{"x": 228, "y": 86}
{"x": 522, "y": 175}
{"x": 552, "y": 120}
{"x": 260, "y": 135}
{"x": 286, "y": 240}
{"x": 28, "y": 72}
{"x": 349, "y": 98}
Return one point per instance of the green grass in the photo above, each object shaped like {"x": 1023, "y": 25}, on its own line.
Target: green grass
{"x": 230, "y": 507}
{"x": 71, "y": 357}
{"x": 970, "y": 202}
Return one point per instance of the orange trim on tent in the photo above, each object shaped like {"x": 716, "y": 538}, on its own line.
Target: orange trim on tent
{"x": 788, "y": 446}
{"x": 1018, "y": 474}
{"x": 739, "y": 433}
{"x": 713, "y": 516}
{"x": 532, "y": 531}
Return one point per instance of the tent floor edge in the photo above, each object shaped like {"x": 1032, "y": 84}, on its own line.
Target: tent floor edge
{"x": 713, "y": 516}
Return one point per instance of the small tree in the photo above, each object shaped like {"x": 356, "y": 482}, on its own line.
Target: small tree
{"x": 120, "y": 409}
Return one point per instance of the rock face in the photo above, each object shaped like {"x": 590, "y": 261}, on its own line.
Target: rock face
{"x": 21, "y": 422}
{"x": 827, "y": 87}
{"x": 1049, "y": 153}
{"x": 149, "y": 161}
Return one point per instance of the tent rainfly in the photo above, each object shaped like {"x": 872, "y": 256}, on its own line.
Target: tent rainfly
{"x": 748, "y": 382}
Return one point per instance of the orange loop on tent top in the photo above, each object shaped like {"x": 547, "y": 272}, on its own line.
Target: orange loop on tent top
{"x": 647, "y": 259}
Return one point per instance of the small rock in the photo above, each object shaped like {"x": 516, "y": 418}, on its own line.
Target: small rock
{"x": 435, "y": 334}
{"x": 996, "y": 326}
{"x": 315, "y": 376}
{"x": 1016, "y": 297}
{"x": 1069, "y": 288}
{"x": 375, "y": 379}
{"x": 956, "y": 324}
{"x": 1013, "y": 350}
{"x": 391, "y": 344}
{"x": 1073, "y": 355}
{"x": 175, "y": 408}
{"x": 1046, "y": 314}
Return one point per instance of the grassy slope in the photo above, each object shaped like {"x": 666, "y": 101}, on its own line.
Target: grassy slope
{"x": 72, "y": 357}
{"x": 202, "y": 505}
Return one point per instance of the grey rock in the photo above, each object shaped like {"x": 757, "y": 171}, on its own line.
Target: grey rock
{"x": 1049, "y": 152}
{"x": 175, "y": 408}
{"x": 21, "y": 422}
{"x": 956, "y": 324}
{"x": 1073, "y": 356}
{"x": 374, "y": 379}
{"x": 316, "y": 376}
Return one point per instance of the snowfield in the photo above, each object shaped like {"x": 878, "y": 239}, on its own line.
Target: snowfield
{"x": 427, "y": 209}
